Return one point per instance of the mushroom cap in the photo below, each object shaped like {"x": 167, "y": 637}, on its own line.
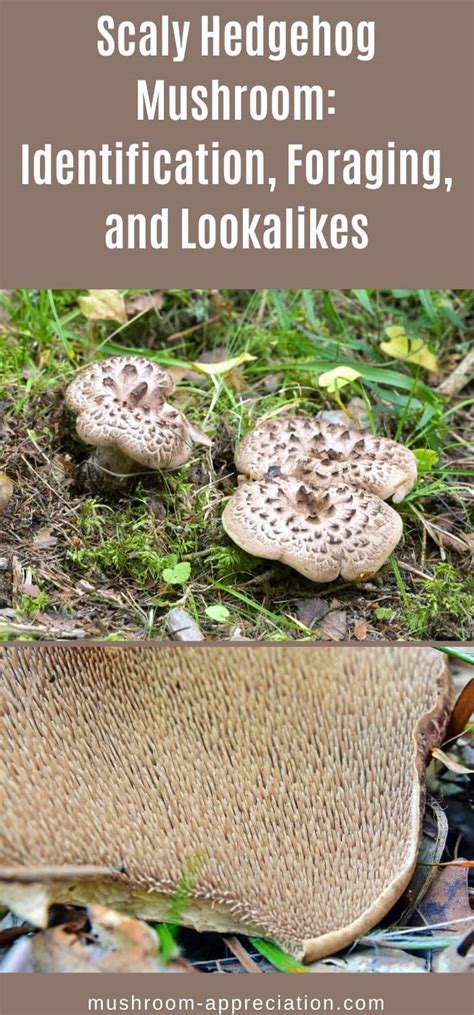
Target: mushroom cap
{"x": 121, "y": 403}
{"x": 320, "y": 533}
{"x": 325, "y": 453}
{"x": 293, "y": 778}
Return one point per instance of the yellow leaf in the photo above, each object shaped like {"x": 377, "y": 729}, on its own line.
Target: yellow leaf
{"x": 338, "y": 378}
{"x": 103, "y": 305}
{"x": 412, "y": 350}
{"x": 395, "y": 331}
{"x": 213, "y": 369}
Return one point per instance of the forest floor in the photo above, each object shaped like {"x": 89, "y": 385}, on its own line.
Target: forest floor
{"x": 80, "y": 563}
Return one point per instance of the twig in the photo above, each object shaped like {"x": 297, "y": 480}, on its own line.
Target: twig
{"x": 242, "y": 955}
{"x": 414, "y": 570}
{"x": 196, "y": 327}
{"x": 460, "y": 376}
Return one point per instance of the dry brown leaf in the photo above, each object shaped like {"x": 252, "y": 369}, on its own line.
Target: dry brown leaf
{"x": 462, "y": 711}
{"x": 141, "y": 304}
{"x": 44, "y": 539}
{"x": 447, "y": 898}
{"x": 310, "y": 611}
{"x": 28, "y": 589}
{"x": 360, "y": 630}
{"x": 334, "y": 625}
{"x": 6, "y": 490}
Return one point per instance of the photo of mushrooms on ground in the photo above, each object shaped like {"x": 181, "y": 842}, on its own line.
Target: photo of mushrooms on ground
{"x": 271, "y": 465}
{"x": 272, "y": 799}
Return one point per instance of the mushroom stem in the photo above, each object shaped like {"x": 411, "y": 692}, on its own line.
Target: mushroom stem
{"x": 111, "y": 469}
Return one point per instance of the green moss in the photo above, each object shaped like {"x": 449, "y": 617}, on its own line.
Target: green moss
{"x": 444, "y": 604}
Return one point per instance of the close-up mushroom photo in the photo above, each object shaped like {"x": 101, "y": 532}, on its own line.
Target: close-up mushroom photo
{"x": 218, "y": 465}
{"x": 235, "y": 808}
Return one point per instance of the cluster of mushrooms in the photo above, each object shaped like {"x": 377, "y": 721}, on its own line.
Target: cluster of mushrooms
{"x": 313, "y": 493}
{"x": 291, "y": 782}
{"x": 314, "y": 497}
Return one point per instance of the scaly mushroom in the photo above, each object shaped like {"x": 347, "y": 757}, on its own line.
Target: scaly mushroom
{"x": 325, "y": 454}
{"x": 292, "y": 779}
{"x": 122, "y": 411}
{"x": 321, "y": 533}
{"x": 316, "y": 495}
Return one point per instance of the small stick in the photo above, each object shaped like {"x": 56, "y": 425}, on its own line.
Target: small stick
{"x": 242, "y": 955}
{"x": 196, "y": 327}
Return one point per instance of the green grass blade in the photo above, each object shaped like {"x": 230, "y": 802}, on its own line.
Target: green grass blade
{"x": 284, "y": 963}
{"x": 456, "y": 653}
{"x": 362, "y": 295}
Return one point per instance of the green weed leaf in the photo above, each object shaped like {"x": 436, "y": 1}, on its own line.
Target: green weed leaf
{"x": 178, "y": 574}
{"x": 218, "y": 613}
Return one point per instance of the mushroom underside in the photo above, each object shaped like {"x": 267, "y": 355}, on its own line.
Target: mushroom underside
{"x": 291, "y": 783}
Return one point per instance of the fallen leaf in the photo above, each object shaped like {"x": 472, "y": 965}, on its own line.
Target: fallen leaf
{"x": 142, "y": 304}
{"x": 310, "y": 611}
{"x": 44, "y": 539}
{"x": 334, "y": 624}
{"x": 357, "y": 411}
{"x": 447, "y": 898}
{"x": 223, "y": 366}
{"x": 412, "y": 350}
{"x": 360, "y": 630}
{"x": 450, "y": 762}
{"x": 335, "y": 379}
{"x": 104, "y": 305}
{"x": 6, "y": 490}
{"x": 462, "y": 711}
{"x": 27, "y": 589}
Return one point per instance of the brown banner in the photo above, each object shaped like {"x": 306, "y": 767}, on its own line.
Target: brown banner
{"x": 402, "y": 994}
{"x": 415, "y": 94}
